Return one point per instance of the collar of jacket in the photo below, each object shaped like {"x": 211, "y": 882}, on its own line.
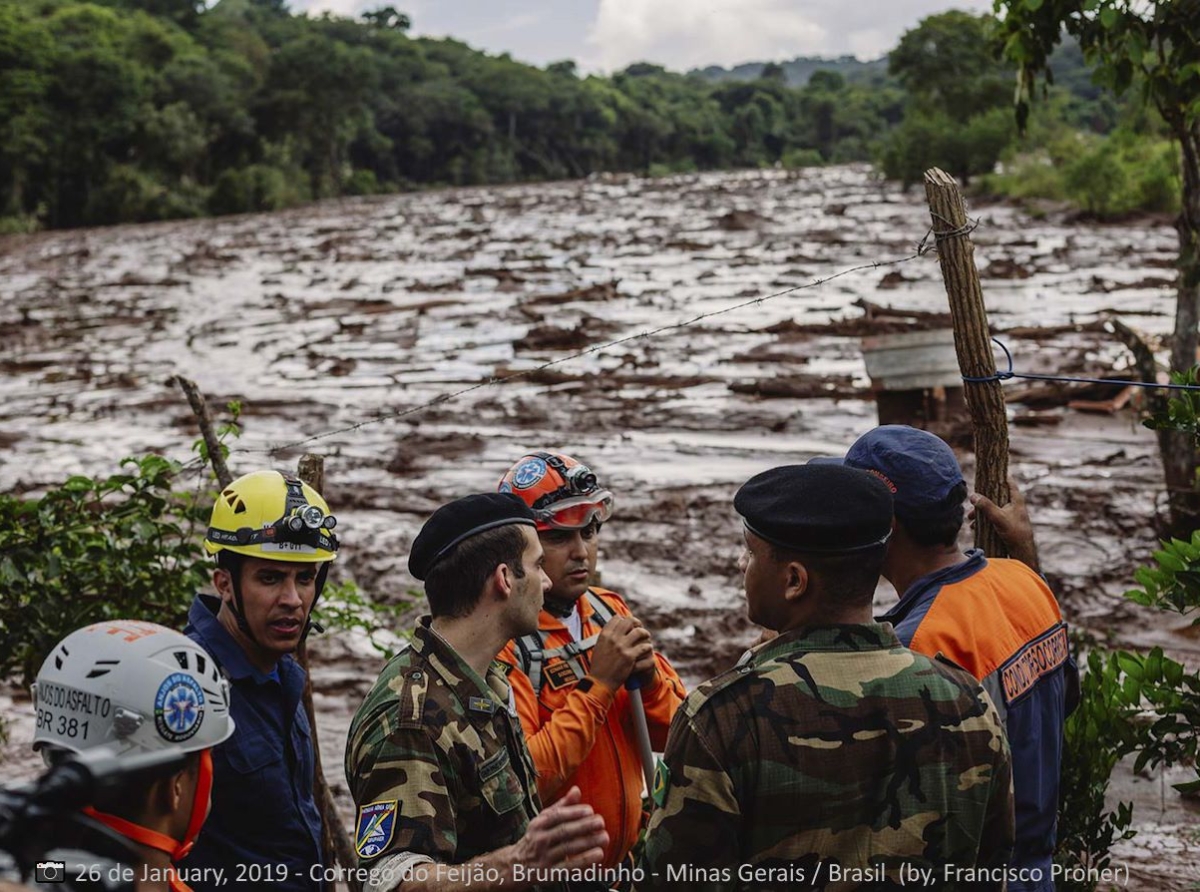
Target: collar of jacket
{"x": 226, "y": 651}
{"x": 847, "y": 638}
{"x": 461, "y": 679}
{"x": 921, "y": 586}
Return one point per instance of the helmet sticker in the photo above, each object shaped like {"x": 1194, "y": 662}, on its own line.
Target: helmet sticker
{"x": 528, "y": 473}
{"x": 505, "y": 486}
{"x": 178, "y": 707}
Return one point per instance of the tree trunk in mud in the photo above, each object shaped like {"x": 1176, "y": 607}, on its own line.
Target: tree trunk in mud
{"x": 1179, "y": 449}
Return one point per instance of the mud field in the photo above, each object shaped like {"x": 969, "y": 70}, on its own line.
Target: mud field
{"x": 341, "y": 326}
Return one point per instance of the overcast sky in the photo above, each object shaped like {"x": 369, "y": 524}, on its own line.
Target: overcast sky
{"x": 607, "y": 35}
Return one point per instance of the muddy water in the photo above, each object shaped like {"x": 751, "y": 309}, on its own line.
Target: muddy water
{"x": 351, "y": 317}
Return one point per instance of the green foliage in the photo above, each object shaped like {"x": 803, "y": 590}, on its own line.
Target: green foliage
{"x": 1097, "y": 735}
{"x": 946, "y": 64}
{"x": 116, "y": 547}
{"x": 121, "y": 110}
{"x": 343, "y": 607}
{"x": 1182, "y": 411}
{"x": 1108, "y": 176}
{"x": 934, "y": 139}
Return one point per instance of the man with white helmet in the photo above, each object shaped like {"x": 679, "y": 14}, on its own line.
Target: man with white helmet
{"x": 572, "y": 673}
{"x": 272, "y": 535}
{"x": 136, "y": 689}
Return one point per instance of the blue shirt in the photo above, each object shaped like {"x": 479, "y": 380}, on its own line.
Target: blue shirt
{"x": 264, "y": 830}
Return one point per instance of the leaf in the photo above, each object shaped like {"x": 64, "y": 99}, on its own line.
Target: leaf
{"x": 1109, "y": 16}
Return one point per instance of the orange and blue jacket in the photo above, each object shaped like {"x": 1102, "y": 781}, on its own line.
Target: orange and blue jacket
{"x": 587, "y": 738}
{"x": 999, "y": 620}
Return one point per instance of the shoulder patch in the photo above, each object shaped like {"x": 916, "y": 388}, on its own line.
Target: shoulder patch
{"x": 376, "y": 824}
{"x": 410, "y": 705}
{"x": 716, "y": 686}
{"x": 1038, "y": 658}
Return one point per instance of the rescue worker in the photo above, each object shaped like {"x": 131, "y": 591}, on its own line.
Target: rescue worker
{"x": 831, "y": 756}
{"x": 570, "y": 685}
{"x": 435, "y": 759}
{"x": 273, "y": 539}
{"x": 995, "y": 617}
{"x": 137, "y": 688}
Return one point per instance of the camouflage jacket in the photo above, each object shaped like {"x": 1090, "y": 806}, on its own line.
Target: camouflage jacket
{"x": 435, "y": 762}
{"x": 834, "y": 758}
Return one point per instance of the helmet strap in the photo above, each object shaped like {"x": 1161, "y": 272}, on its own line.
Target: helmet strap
{"x": 152, "y": 839}
{"x": 310, "y": 623}
{"x": 238, "y": 608}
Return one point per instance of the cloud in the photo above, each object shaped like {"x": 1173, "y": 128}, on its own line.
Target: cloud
{"x": 684, "y": 34}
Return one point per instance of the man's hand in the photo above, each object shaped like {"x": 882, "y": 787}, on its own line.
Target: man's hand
{"x": 567, "y": 834}
{"x": 1011, "y": 523}
{"x": 624, "y": 646}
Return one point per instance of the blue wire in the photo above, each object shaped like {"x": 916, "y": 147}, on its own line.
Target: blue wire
{"x": 1009, "y": 373}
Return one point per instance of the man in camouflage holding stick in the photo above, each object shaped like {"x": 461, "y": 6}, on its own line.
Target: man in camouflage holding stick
{"x": 830, "y": 757}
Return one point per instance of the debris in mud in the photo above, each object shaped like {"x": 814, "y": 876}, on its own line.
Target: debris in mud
{"x": 588, "y": 330}
{"x": 1005, "y": 268}
{"x": 876, "y": 320}
{"x": 891, "y": 280}
{"x": 417, "y": 449}
{"x": 1099, "y": 285}
{"x": 803, "y": 387}
{"x": 602, "y": 291}
{"x": 502, "y": 275}
{"x": 740, "y": 221}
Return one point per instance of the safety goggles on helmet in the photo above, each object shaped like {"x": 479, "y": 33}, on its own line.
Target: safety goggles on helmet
{"x": 577, "y": 513}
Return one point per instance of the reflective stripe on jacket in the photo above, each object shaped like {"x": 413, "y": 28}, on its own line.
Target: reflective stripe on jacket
{"x": 999, "y": 620}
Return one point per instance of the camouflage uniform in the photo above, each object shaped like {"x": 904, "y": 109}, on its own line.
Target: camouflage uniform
{"x": 830, "y": 746}
{"x": 435, "y": 762}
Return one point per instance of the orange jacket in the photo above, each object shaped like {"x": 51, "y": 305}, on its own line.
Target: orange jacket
{"x": 587, "y": 738}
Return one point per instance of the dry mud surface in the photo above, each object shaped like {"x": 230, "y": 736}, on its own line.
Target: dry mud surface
{"x": 338, "y": 325}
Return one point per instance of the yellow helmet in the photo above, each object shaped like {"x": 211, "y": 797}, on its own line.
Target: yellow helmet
{"x": 273, "y": 516}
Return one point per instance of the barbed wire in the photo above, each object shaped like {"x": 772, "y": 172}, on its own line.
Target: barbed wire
{"x": 920, "y": 251}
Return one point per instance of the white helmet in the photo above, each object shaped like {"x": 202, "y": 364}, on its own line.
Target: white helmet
{"x": 132, "y": 686}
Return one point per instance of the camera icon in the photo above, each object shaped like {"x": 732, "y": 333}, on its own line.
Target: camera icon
{"x": 49, "y": 872}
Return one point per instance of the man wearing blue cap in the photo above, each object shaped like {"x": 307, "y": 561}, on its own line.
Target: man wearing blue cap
{"x": 436, "y": 761}
{"x": 997, "y": 618}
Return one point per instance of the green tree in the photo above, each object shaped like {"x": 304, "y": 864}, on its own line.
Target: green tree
{"x": 1155, "y": 45}
{"x": 946, "y": 63}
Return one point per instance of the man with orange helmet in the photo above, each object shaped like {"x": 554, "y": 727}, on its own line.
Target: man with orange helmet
{"x": 570, "y": 684}
{"x": 273, "y": 538}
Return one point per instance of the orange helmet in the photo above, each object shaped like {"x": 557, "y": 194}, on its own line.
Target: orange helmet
{"x": 563, "y": 493}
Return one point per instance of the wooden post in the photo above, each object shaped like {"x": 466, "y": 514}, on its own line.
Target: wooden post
{"x": 985, "y": 400}
{"x": 200, "y": 408}
{"x": 335, "y": 844}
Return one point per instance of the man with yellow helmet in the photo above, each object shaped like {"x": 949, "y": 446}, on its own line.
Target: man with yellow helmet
{"x": 273, "y": 539}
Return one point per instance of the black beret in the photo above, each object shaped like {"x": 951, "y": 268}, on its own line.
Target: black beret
{"x": 462, "y": 519}
{"x": 816, "y": 508}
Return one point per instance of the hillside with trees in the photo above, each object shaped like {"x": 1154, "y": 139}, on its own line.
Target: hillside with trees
{"x": 138, "y": 110}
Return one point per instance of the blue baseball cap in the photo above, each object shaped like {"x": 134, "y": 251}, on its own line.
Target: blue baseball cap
{"x": 919, "y": 468}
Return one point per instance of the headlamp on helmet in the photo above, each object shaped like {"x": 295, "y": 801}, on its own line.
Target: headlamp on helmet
{"x": 274, "y": 516}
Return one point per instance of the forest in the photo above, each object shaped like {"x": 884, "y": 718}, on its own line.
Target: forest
{"x": 139, "y": 110}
